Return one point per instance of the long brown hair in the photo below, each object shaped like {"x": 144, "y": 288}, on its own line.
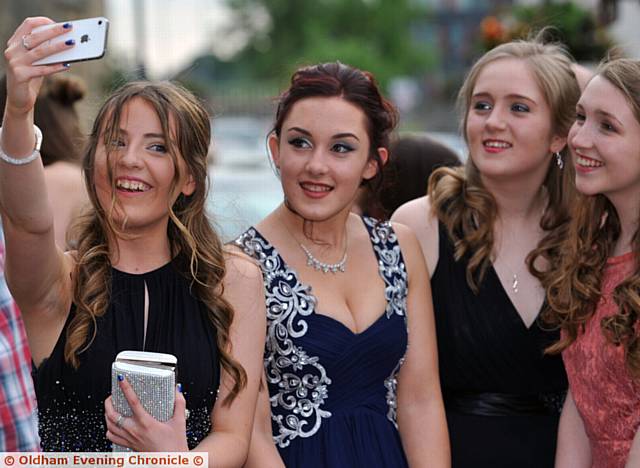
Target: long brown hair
{"x": 466, "y": 207}
{"x": 185, "y": 123}
{"x": 574, "y": 289}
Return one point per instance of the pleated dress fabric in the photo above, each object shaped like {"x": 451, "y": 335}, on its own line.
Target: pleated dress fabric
{"x": 332, "y": 391}
{"x": 492, "y": 371}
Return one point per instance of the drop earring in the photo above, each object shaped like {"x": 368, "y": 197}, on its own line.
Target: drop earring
{"x": 275, "y": 167}
{"x": 559, "y": 160}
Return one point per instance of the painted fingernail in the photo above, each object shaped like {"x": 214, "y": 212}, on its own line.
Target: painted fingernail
{"x": 70, "y": 41}
{"x": 180, "y": 387}
{"x": 120, "y": 377}
{"x": 66, "y": 25}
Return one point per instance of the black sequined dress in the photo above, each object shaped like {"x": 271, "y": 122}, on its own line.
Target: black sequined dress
{"x": 71, "y": 402}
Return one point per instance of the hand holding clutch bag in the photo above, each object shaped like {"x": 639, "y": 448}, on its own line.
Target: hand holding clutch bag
{"x": 153, "y": 378}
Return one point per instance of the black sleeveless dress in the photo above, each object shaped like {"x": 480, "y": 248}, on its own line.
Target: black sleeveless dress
{"x": 71, "y": 402}
{"x": 502, "y": 395}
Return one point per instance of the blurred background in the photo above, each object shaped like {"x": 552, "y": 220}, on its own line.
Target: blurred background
{"x": 238, "y": 54}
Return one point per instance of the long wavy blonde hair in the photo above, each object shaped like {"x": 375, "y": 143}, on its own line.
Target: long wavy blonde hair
{"x": 466, "y": 207}
{"x": 193, "y": 242}
{"x": 573, "y": 289}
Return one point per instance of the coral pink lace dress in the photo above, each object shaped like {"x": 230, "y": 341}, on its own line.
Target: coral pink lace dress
{"x": 605, "y": 394}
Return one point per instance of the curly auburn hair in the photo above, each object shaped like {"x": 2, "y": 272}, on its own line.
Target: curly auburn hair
{"x": 458, "y": 196}
{"x": 193, "y": 242}
{"x": 574, "y": 288}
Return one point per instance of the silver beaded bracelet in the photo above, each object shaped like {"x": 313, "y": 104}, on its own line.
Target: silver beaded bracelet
{"x": 22, "y": 161}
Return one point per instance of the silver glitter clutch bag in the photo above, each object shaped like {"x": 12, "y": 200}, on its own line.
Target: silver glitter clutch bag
{"x": 153, "y": 378}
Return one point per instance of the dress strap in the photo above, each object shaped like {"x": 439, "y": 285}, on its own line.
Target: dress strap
{"x": 298, "y": 382}
{"x": 390, "y": 263}
{"x": 393, "y": 271}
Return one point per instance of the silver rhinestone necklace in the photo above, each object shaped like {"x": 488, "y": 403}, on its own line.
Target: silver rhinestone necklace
{"x": 313, "y": 262}
{"x": 322, "y": 266}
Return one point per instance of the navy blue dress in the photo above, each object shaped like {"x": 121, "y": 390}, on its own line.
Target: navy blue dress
{"x": 333, "y": 392}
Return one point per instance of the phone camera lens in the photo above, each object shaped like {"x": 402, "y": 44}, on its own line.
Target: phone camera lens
{"x": 100, "y": 22}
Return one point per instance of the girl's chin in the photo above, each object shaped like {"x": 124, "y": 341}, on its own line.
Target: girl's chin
{"x": 316, "y": 215}
{"x": 588, "y": 189}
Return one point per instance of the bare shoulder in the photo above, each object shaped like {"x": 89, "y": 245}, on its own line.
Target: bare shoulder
{"x": 412, "y": 253}
{"x": 64, "y": 176}
{"x": 406, "y": 238}
{"x": 239, "y": 266}
{"x": 244, "y": 288}
{"x": 63, "y": 170}
{"x": 419, "y": 215}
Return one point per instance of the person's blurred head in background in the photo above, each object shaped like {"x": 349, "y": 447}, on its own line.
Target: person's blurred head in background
{"x": 412, "y": 158}
{"x": 56, "y": 113}
{"x": 583, "y": 75}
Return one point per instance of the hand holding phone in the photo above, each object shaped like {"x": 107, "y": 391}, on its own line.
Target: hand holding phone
{"x": 89, "y": 35}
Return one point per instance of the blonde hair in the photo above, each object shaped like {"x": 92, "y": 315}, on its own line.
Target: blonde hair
{"x": 458, "y": 196}
{"x": 574, "y": 288}
{"x": 192, "y": 239}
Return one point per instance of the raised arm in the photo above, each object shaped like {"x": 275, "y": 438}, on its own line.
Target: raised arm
{"x": 37, "y": 272}
{"x": 421, "y": 416}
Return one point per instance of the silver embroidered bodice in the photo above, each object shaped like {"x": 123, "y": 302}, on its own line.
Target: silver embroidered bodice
{"x": 299, "y": 384}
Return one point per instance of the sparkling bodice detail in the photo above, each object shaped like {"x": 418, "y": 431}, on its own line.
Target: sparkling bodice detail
{"x": 301, "y": 360}
{"x": 71, "y": 401}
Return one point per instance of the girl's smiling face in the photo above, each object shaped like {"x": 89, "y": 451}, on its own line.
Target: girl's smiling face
{"x": 605, "y": 143}
{"x": 509, "y": 122}
{"x": 143, "y": 170}
{"x": 323, "y": 155}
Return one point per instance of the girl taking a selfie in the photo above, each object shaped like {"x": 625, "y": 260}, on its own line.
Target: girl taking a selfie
{"x": 148, "y": 272}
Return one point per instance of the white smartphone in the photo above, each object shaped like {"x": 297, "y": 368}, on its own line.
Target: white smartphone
{"x": 91, "y": 41}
